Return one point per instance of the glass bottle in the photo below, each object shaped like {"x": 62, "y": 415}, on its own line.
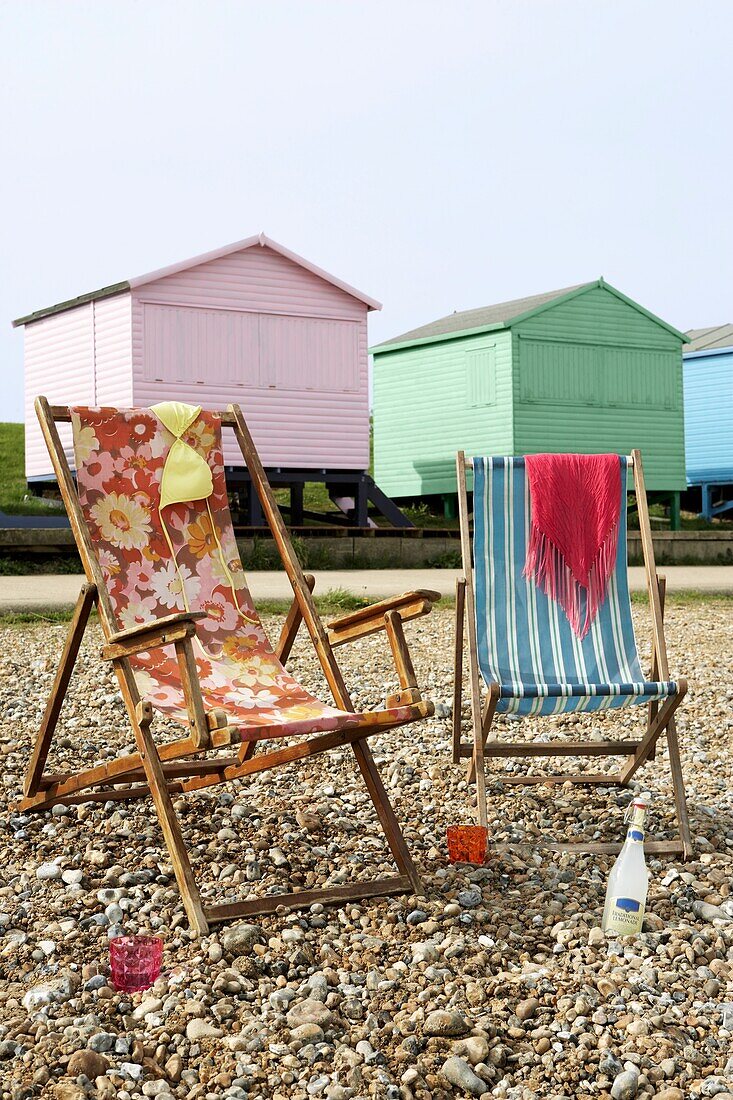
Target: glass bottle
{"x": 628, "y": 882}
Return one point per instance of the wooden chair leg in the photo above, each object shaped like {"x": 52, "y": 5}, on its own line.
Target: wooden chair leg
{"x": 169, "y": 823}
{"x": 409, "y": 691}
{"x": 477, "y": 766}
{"x": 386, "y": 815}
{"x": 487, "y": 720}
{"x": 84, "y": 604}
{"x": 645, "y": 746}
{"x": 678, "y": 786}
{"x": 292, "y": 623}
{"x": 654, "y": 675}
{"x": 247, "y": 750}
{"x": 192, "y": 693}
{"x": 458, "y": 667}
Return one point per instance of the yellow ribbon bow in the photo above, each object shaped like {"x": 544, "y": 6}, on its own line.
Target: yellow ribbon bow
{"x": 187, "y": 477}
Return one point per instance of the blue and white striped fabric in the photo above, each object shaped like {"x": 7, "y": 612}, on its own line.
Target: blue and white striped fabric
{"x": 525, "y": 642}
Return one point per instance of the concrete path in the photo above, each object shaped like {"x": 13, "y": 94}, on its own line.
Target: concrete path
{"x": 32, "y": 593}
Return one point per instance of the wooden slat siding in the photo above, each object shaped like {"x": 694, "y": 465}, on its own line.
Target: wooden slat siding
{"x": 415, "y": 454}
{"x": 291, "y": 426}
{"x": 59, "y": 362}
{"x": 112, "y": 351}
{"x": 81, "y": 356}
{"x": 270, "y": 283}
{"x": 708, "y": 381}
{"x": 600, "y": 319}
{"x": 598, "y": 316}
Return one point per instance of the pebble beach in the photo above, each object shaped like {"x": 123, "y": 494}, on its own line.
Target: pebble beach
{"x": 497, "y": 983}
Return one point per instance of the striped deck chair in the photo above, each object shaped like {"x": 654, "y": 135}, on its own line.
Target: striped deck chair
{"x": 521, "y": 645}
{"x": 184, "y": 639}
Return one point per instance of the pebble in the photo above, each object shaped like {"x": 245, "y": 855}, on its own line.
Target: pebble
{"x": 132, "y": 1070}
{"x": 48, "y": 871}
{"x": 459, "y": 1073}
{"x": 445, "y": 1023}
{"x": 309, "y": 1011}
{"x": 59, "y": 989}
{"x": 202, "y": 1029}
{"x": 308, "y": 1033}
{"x": 87, "y": 1062}
{"x": 526, "y": 1009}
{"x": 475, "y": 1048}
{"x": 626, "y": 1085}
{"x": 102, "y": 1042}
{"x": 240, "y": 938}
{"x": 709, "y": 912}
{"x": 469, "y": 899}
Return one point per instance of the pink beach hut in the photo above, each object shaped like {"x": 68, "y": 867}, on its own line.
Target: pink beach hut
{"x": 252, "y": 323}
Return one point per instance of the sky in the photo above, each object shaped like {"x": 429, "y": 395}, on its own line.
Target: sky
{"x": 436, "y": 155}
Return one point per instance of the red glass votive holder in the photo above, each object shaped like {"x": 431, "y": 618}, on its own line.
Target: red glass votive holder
{"x": 135, "y": 961}
{"x": 466, "y": 843}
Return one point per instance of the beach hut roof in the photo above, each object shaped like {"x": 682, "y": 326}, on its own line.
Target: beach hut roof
{"x": 153, "y": 276}
{"x": 504, "y": 315}
{"x": 707, "y": 339}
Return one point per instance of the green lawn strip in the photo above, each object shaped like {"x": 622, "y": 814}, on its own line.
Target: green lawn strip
{"x": 13, "y": 486}
{"x": 338, "y": 600}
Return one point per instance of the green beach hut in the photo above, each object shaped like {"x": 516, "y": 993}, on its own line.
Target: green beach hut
{"x": 581, "y": 369}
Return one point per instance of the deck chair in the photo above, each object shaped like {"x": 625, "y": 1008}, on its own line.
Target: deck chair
{"x": 521, "y": 646}
{"x": 185, "y": 640}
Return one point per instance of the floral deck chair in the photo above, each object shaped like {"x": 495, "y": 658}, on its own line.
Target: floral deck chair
{"x": 548, "y": 651}
{"x": 152, "y": 525}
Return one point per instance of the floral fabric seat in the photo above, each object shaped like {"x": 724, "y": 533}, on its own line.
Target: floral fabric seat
{"x": 120, "y": 456}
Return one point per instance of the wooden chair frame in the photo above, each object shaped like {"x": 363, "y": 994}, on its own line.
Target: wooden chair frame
{"x": 485, "y": 744}
{"x": 162, "y": 771}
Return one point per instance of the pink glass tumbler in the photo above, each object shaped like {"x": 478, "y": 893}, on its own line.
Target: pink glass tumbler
{"x": 135, "y": 961}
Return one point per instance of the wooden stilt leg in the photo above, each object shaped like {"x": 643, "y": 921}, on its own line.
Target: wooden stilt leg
{"x": 168, "y": 821}
{"x": 386, "y": 815}
{"x": 84, "y": 604}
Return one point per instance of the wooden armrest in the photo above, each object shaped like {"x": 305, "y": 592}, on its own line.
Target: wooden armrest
{"x": 368, "y": 620}
{"x": 158, "y": 632}
{"x": 155, "y": 624}
{"x": 378, "y": 610}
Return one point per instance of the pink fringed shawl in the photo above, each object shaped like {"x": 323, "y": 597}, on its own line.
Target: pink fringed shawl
{"x": 575, "y": 502}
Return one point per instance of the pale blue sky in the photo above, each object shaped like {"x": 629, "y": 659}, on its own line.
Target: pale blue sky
{"x": 437, "y": 155}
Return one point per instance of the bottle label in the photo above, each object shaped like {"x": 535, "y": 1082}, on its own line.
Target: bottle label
{"x": 625, "y": 916}
{"x": 635, "y": 835}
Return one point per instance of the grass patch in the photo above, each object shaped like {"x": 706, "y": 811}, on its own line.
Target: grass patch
{"x": 44, "y": 616}
{"x": 330, "y": 603}
{"x": 13, "y": 488}
{"x": 339, "y": 600}
{"x": 39, "y": 563}
{"x": 686, "y": 597}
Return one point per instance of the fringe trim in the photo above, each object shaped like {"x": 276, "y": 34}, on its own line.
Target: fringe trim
{"x": 546, "y": 564}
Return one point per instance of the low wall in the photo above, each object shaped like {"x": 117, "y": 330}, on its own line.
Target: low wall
{"x": 685, "y": 547}
{"x": 394, "y": 549}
